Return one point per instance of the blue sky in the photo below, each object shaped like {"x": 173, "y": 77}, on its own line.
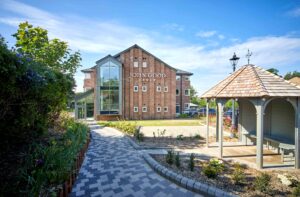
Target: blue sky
{"x": 197, "y": 36}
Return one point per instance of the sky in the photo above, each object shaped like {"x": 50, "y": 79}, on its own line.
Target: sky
{"x": 196, "y": 36}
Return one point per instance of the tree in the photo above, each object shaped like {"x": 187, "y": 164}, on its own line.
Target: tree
{"x": 291, "y": 75}
{"x": 34, "y": 43}
{"x": 273, "y": 70}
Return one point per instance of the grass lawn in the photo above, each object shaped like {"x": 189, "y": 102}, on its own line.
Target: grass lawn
{"x": 175, "y": 122}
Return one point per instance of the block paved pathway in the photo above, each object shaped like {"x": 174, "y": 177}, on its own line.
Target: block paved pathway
{"x": 112, "y": 167}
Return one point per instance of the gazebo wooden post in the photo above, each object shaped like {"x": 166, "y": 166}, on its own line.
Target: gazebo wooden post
{"x": 220, "y": 104}
{"x": 297, "y": 130}
{"x": 217, "y": 123}
{"x": 207, "y": 122}
{"x": 259, "y": 105}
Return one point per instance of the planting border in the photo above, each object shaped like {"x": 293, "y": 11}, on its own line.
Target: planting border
{"x": 185, "y": 182}
{"x": 66, "y": 187}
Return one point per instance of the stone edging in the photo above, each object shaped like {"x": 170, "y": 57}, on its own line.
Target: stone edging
{"x": 185, "y": 182}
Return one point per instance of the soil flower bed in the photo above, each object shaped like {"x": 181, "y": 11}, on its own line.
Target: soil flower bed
{"x": 224, "y": 180}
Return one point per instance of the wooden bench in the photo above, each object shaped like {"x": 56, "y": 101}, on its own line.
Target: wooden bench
{"x": 283, "y": 143}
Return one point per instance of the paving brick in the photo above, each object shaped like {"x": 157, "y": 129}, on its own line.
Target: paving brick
{"x": 112, "y": 167}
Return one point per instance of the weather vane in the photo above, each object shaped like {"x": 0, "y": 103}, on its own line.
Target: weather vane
{"x": 248, "y": 55}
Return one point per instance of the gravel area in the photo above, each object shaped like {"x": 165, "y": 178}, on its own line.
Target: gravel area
{"x": 224, "y": 180}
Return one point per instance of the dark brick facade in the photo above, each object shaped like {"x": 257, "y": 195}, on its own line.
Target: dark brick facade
{"x": 150, "y": 72}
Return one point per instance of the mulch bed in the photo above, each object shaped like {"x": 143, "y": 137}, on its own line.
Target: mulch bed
{"x": 224, "y": 180}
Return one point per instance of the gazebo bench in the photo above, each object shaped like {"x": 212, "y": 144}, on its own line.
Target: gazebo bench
{"x": 283, "y": 143}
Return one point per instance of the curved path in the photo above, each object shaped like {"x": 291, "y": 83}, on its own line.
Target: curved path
{"x": 112, "y": 167}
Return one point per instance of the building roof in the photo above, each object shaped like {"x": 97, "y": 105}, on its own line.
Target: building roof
{"x": 253, "y": 81}
{"x": 295, "y": 80}
{"x": 180, "y": 72}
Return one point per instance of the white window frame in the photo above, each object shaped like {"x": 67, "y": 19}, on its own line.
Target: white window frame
{"x": 135, "y": 88}
{"x": 166, "y": 89}
{"x": 158, "y": 88}
{"x": 144, "y": 88}
{"x": 166, "y": 109}
{"x": 135, "y": 109}
{"x": 158, "y": 109}
{"x": 144, "y": 65}
{"x": 189, "y": 92}
{"x": 135, "y": 64}
{"x": 186, "y": 105}
{"x": 178, "y": 77}
{"x": 144, "y": 109}
{"x": 178, "y": 92}
{"x": 87, "y": 75}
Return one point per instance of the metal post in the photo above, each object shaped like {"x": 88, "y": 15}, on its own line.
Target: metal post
{"x": 259, "y": 133}
{"x": 232, "y": 116}
{"x": 297, "y": 130}
{"x": 207, "y": 122}
{"x": 220, "y": 127}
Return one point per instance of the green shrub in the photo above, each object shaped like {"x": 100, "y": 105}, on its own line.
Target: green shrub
{"x": 192, "y": 162}
{"x": 50, "y": 165}
{"x": 139, "y": 135}
{"x": 238, "y": 175}
{"x": 183, "y": 116}
{"x": 177, "y": 160}
{"x": 179, "y": 137}
{"x": 262, "y": 181}
{"x": 213, "y": 168}
{"x": 198, "y": 137}
{"x": 170, "y": 157}
{"x": 296, "y": 191}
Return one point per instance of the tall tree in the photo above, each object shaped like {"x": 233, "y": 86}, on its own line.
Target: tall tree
{"x": 35, "y": 43}
{"x": 273, "y": 70}
{"x": 290, "y": 75}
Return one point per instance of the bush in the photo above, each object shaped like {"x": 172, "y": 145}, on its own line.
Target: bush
{"x": 261, "y": 182}
{"x": 179, "y": 137}
{"x": 192, "y": 162}
{"x": 139, "y": 135}
{"x": 49, "y": 165}
{"x": 238, "y": 175}
{"x": 183, "y": 116}
{"x": 213, "y": 168}
{"x": 177, "y": 160}
{"x": 296, "y": 191}
{"x": 170, "y": 157}
{"x": 126, "y": 127}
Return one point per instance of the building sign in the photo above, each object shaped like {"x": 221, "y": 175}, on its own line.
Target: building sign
{"x": 148, "y": 75}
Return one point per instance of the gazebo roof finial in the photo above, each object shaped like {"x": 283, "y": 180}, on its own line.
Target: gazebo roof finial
{"x": 248, "y": 55}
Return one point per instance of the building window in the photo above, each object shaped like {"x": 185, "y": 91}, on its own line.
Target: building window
{"x": 158, "y": 88}
{"x": 135, "y": 109}
{"x": 87, "y": 75}
{"x": 135, "y": 64}
{"x": 135, "y": 88}
{"x": 166, "y": 89}
{"x": 187, "y": 92}
{"x": 187, "y": 78}
{"x": 144, "y": 88}
{"x": 144, "y": 64}
{"x": 110, "y": 88}
{"x": 144, "y": 109}
{"x": 186, "y": 105}
{"x": 165, "y": 109}
{"x": 177, "y": 77}
{"x": 158, "y": 109}
{"x": 177, "y": 108}
{"x": 177, "y": 92}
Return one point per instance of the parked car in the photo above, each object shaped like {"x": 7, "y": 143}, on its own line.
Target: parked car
{"x": 202, "y": 111}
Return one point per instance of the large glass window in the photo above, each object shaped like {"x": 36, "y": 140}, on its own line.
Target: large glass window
{"x": 109, "y": 88}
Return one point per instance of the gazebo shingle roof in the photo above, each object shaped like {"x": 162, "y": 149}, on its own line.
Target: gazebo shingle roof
{"x": 253, "y": 81}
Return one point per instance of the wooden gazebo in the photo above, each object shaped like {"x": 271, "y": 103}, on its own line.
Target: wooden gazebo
{"x": 269, "y": 109}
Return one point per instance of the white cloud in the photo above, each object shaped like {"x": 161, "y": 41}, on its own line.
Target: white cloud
{"x": 173, "y": 27}
{"x": 295, "y": 12}
{"x": 206, "y": 34}
{"x": 104, "y": 37}
{"x": 221, "y": 37}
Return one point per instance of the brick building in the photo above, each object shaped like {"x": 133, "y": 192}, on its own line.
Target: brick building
{"x": 133, "y": 84}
